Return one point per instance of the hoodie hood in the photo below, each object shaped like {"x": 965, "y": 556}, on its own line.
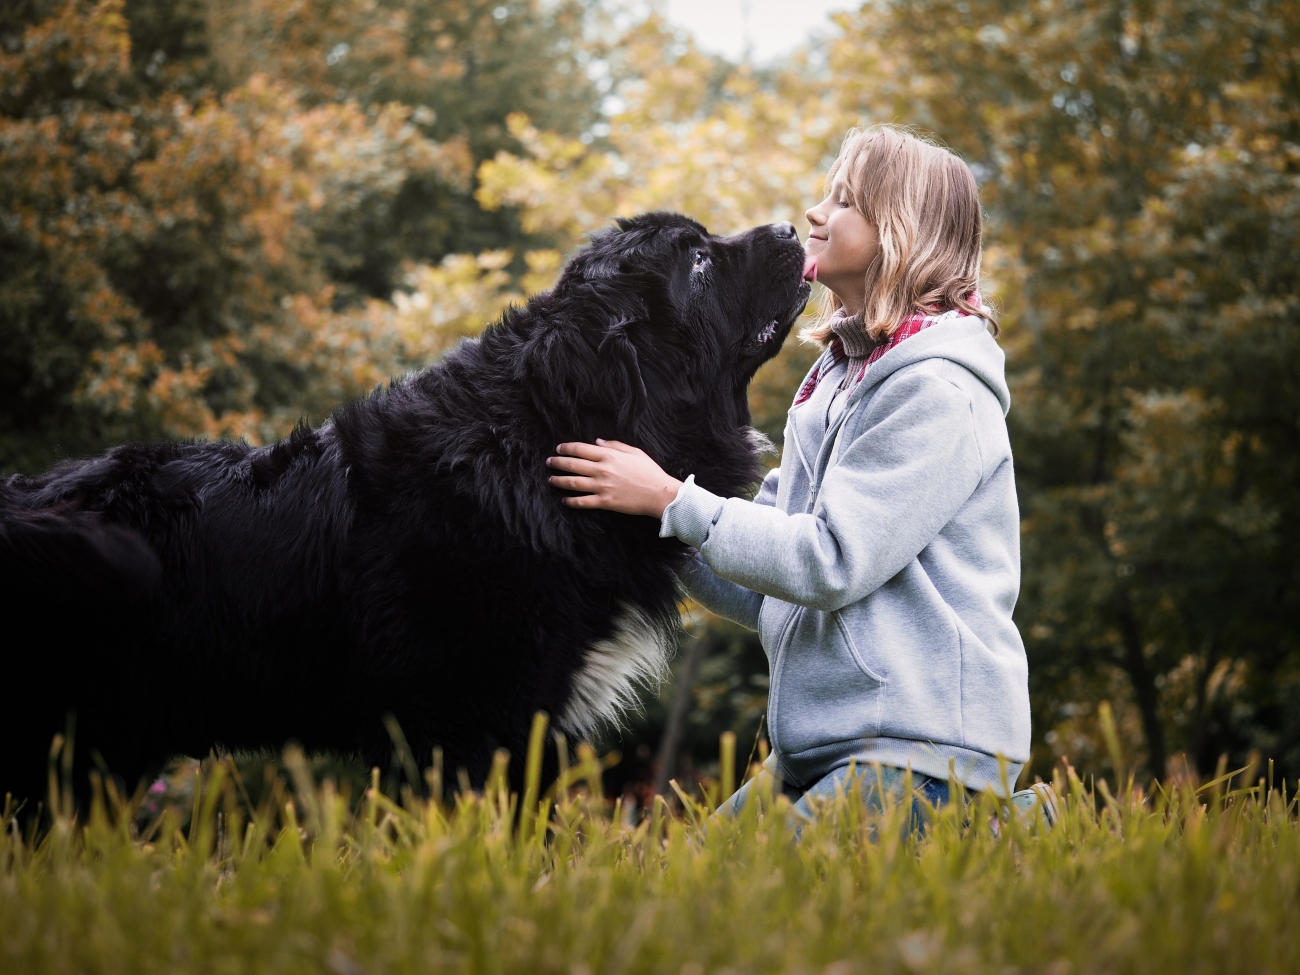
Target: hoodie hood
{"x": 963, "y": 339}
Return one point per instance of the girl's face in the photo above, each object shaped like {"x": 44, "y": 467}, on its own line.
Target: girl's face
{"x": 843, "y": 243}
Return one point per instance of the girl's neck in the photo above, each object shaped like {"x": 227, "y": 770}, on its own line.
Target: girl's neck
{"x": 852, "y": 305}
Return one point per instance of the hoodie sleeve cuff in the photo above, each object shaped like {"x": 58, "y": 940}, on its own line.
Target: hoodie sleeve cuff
{"x": 691, "y": 514}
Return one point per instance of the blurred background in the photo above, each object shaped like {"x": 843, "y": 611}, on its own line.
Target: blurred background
{"x": 218, "y": 216}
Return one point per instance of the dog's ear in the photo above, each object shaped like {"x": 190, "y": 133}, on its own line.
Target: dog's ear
{"x": 619, "y": 357}
{"x": 555, "y": 367}
{"x": 585, "y": 372}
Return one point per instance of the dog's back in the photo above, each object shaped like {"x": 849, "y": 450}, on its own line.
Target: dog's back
{"x": 164, "y": 593}
{"x": 179, "y": 596}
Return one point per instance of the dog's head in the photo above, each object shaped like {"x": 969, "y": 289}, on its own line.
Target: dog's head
{"x": 723, "y": 304}
{"x": 674, "y": 318}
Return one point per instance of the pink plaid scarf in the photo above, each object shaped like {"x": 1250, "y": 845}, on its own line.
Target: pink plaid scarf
{"x": 835, "y": 352}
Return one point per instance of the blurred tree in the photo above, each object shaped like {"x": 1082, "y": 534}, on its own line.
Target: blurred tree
{"x": 182, "y": 237}
{"x": 461, "y": 65}
{"x": 160, "y": 274}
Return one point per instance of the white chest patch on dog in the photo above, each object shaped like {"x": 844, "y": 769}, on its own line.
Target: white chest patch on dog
{"x": 760, "y": 442}
{"x": 636, "y": 653}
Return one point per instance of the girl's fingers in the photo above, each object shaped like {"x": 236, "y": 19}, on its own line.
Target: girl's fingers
{"x": 622, "y": 448}
{"x": 584, "y": 484}
{"x": 574, "y": 465}
{"x": 587, "y": 451}
{"x": 583, "y": 501}
{"x": 597, "y": 450}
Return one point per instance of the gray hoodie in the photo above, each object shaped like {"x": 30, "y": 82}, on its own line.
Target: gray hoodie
{"x": 880, "y": 564}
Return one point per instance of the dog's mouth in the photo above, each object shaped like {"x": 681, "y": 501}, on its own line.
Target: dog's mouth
{"x": 777, "y": 329}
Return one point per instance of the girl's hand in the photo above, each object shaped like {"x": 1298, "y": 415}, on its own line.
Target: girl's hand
{"x": 613, "y": 476}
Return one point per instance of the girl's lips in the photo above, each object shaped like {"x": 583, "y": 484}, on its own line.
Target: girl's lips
{"x": 810, "y": 268}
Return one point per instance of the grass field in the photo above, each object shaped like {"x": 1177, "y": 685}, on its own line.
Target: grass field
{"x": 306, "y": 880}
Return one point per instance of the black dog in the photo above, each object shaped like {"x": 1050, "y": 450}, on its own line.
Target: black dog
{"x": 408, "y": 557}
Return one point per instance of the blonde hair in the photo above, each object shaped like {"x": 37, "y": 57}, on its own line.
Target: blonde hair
{"x": 923, "y": 202}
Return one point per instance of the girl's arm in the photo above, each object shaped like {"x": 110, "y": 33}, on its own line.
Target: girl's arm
{"x": 627, "y": 480}
{"x": 891, "y": 491}
{"x": 617, "y": 477}
{"x": 721, "y": 596}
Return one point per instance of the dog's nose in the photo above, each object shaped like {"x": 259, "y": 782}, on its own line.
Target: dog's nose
{"x": 785, "y": 229}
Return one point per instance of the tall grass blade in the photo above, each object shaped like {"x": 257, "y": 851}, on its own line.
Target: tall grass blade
{"x": 726, "y": 765}
{"x": 533, "y": 775}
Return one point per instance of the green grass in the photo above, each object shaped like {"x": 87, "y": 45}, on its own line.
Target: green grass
{"x": 1181, "y": 880}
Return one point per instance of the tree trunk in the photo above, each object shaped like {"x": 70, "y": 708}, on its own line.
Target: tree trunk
{"x": 1144, "y": 687}
{"x": 672, "y": 739}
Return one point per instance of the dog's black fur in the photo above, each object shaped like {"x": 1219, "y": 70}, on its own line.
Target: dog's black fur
{"x": 408, "y": 557}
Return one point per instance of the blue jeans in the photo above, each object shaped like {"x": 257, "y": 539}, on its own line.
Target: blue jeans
{"x": 881, "y": 787}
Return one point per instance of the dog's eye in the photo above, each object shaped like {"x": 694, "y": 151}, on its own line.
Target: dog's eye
{"x": 698, "y": 260}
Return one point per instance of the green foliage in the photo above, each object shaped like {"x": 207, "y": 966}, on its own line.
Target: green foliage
{"x": 461, "y": 66}
{"x": 305, "y": 880}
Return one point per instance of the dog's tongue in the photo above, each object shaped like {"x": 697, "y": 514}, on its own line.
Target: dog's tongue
{"x": 810, "y": 268}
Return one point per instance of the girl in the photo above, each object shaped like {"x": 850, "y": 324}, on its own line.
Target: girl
{"x": 880, "y": 563}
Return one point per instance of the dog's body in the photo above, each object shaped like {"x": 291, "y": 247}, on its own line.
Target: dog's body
{"x": 408, "y": 557}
